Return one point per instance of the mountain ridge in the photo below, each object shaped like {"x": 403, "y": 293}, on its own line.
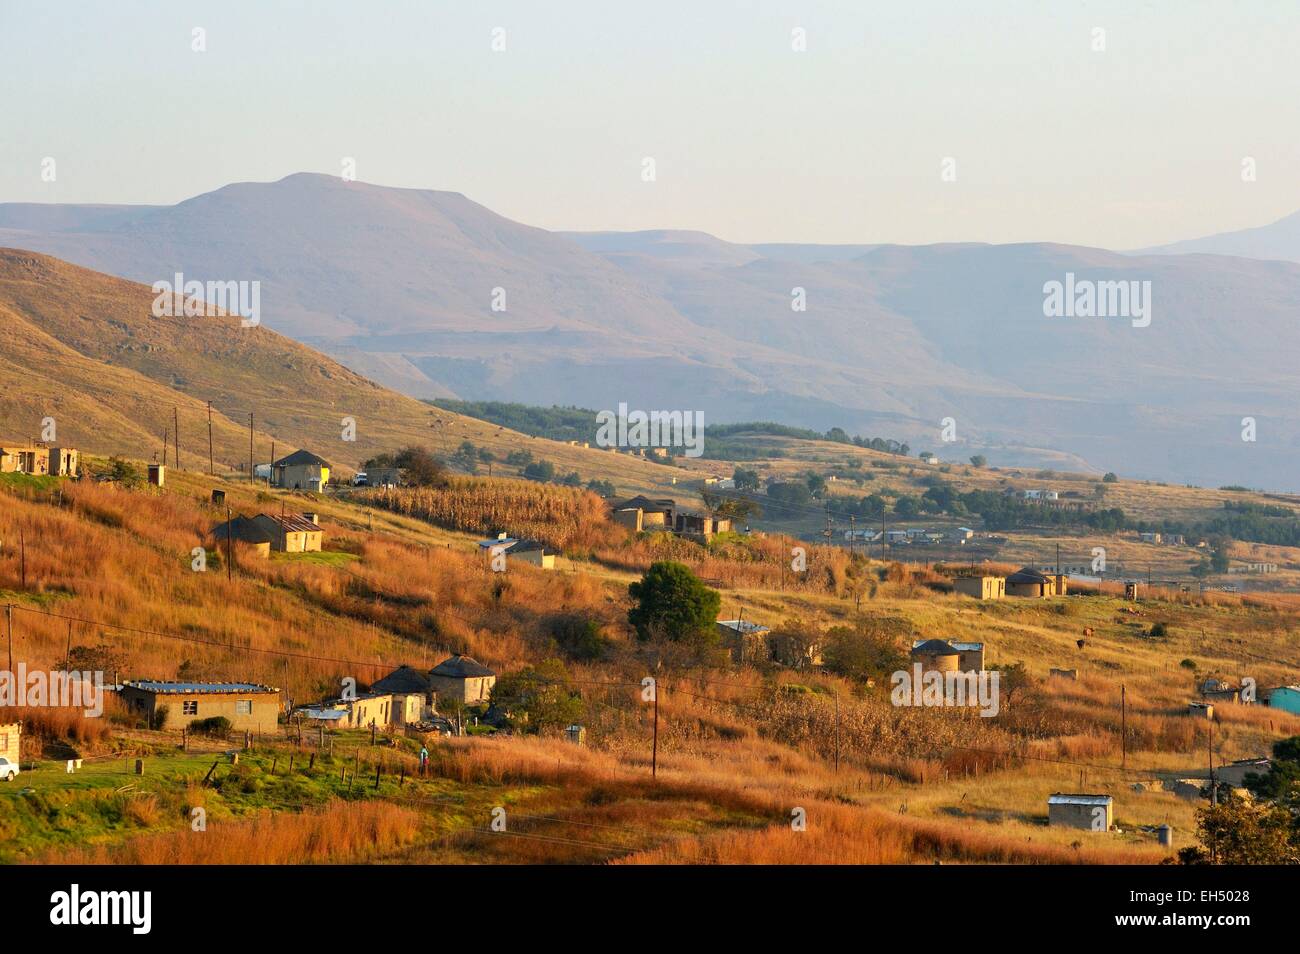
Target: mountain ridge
{"x": 401, "y": 284}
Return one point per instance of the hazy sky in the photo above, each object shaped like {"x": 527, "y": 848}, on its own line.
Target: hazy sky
{"x": 1140, "y": 144}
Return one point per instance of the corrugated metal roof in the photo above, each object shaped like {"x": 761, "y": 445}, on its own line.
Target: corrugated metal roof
{"x": 330, "y": 714}
{"x": 294, "y": 522}
{"x": 742, "y": 626}
{"x": 194, "y": 688}
{"x": 960, "y": 647}
{"x": 1058, "y": 798}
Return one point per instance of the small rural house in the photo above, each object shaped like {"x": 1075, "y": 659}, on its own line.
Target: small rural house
{"x": 787, "y": 650}
{"x": 368, "y": 710}
{"x": 174, "y": 705}
{"x": 157, "y": 474}
{"x": 1216, "y": 690}
{"x": 948, "y": 656}
{"x": 534, "y": 552}
{"x": 288, "y": 533}
{"x": 981, "y": 587}
{"x": 24, "y": 459}
{"x": 1200, "y": 710}
{"x": 645, "y": 513}
{"x": 291, "y": 532}
{"x": 1030, "y": 582}
{"x": 241, "y": 530}
{"x": 1088, "y": 812}
{"x": 462, "y": 679}
{"x": 406, "y": 681}
{"x": 10, "y": 736}
{"x": 701, "y": 525}
{"x": 64, "y": 462}
{"x": 936, "y": 655}
{"x": 1286, "y": 698}
{"x": 744, "y": 639}
{"x": 301, "y": 470}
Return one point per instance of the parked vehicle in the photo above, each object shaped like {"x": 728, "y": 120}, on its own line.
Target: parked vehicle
{"x": 8, "y": 770}
{"x": 359, "y": 479}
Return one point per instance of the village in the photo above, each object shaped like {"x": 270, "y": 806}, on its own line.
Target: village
{"x": 457, "y": 698}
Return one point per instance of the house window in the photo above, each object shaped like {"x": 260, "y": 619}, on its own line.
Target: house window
{"x": 190, "y": 707}
{"x": 244, "y": 707}
{"x": 4, "y": 742}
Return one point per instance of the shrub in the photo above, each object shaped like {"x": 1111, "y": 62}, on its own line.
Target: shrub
{"x": 217, "y": 725}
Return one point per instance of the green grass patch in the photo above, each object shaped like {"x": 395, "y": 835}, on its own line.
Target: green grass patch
{"x": 317, "y": 558}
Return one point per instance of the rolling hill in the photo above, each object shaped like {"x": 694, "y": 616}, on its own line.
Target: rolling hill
{"x": 85, "y": 349}
{"x": 399, "y": 285}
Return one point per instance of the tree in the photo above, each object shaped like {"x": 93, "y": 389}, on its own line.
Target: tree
{"x": 538, "y": 697}
{"x": 1109, "y": 478}
{"x": 673, "y": 604}
{"x": 790, "y": 493}
{"x": 420, "y": 467}
{"x": 733, "y": 508}
{"x": 907, "y": 507}
{"x": 745, "y": 479}
{"x": 979, "y": 460}
{"x": 1282, "y": 781}
{"x": 862, "y": 652}
{"x": 540, "y": 470}
{"x": 124, "y": 472}
{"x": 1238, "y": 833}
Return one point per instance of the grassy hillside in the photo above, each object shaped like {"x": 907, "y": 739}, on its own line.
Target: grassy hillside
{"x": 84, "y": 348}
{"x": 738, "y": 745}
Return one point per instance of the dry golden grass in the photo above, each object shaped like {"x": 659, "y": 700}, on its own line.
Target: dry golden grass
{"x": 340, "y": 833}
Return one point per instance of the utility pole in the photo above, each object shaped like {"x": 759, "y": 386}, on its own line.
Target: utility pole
{"x": 1214, "y": 790}
{"x": 272, "y": 467}
{"x": 176, "y": 435}
{"x": 250, "y": 447}
{"x": 852, "y": 520}
{"x": 9, "y": 621}
{"x": 230, "y": 549}
{"x": 22, "y": 563}
{"x": 67, "y": 659}
{"x": 654, "y": 750}
{"x": 212, "y": 469}
{"x": 837, "y": 732}
{"x": 1123, "y": 726}
{"x": 166, "y": 438}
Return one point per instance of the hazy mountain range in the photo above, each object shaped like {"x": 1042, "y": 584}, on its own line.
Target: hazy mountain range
{"x": 400, "y": 286}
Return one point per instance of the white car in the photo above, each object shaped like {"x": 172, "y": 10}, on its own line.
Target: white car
{"x": 359, "y": 480}
{"x": 8, "y": 770}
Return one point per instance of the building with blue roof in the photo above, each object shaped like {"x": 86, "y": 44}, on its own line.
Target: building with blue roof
{"x": 172, "y": 706}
